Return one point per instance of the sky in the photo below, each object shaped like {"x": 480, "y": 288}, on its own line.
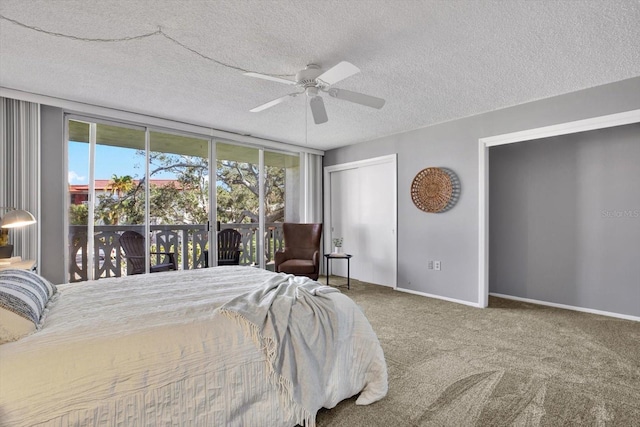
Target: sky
{"x": 112, "y": 161}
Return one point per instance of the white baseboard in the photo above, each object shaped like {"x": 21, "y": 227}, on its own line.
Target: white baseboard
{"x": 458, "y": 301}
{"x": 382, "y": 284}
{"x": 568, "y": 307}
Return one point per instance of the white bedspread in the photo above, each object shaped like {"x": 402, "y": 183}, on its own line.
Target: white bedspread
{"x": 153, "y": 350}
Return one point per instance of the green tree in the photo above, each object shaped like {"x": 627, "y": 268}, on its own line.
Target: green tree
{"x": 78, "y": 214}
{"x": 119, "y": 203}
{"x": 121, "y": 185}
{"x": 185, "y": 200}
{"x": 238, "y": 192}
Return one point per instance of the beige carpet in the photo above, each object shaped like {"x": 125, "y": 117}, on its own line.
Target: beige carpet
{"x": 512, "y": 364}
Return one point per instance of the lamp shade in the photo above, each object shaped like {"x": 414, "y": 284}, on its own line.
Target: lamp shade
{"x": 17, "y": 218}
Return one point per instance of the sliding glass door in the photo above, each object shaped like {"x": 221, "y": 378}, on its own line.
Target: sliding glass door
{"x": 281, "y": 199}
{"x": 179, "y": 198}
{"x": 157, "y": 183}
{"x": 238, "y": 196}
{"x": 106, "y": 197}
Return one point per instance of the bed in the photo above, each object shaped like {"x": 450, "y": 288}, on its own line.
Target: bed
{"x": 176, "y": 348}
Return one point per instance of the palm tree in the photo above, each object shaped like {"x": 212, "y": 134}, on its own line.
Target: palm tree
{"x": 112, "y": 208}
{"x": 121, "y": 185}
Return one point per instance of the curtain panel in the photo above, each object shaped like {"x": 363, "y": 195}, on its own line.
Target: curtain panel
{"x": 312, "y": 185}
{"x": 311, "y": 206}
{"x": 20, "y": 170}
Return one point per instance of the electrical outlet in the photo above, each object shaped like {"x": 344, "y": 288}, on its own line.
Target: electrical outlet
{"x": 436, "y": 265}
{"x": 429, "y": 265}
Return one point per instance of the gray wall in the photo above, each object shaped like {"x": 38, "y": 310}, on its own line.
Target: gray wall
{"x": 53, "y": 191}
{"x": 565, "y": 219}
{"x": 452, "y": 237}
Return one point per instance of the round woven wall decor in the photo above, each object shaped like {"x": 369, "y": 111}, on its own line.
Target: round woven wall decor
{"x": 435, "y": 190}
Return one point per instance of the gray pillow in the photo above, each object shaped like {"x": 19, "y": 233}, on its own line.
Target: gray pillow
{"x": 24, "y": 296}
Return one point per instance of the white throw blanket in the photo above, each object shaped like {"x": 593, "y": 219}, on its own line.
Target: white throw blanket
{"x": 293, "y": 350}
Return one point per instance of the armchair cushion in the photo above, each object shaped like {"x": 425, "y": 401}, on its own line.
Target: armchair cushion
{"x": 298, "y": 267}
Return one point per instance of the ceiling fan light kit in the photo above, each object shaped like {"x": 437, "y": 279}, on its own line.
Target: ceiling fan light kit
{"x": 312, "y": 80}
{"x": 318, "y": 111}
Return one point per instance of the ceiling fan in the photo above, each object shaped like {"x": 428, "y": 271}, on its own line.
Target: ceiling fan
{"x": 312, "y": 80}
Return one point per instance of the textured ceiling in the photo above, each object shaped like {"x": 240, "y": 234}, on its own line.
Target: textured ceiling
{"x": 433, "y": 61}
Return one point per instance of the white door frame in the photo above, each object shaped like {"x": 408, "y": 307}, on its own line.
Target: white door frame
{"x": 601, "y": 122}
{"x": 328, "y": 170}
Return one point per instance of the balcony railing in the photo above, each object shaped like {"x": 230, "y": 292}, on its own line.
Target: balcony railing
{"x": 188, "y": 241}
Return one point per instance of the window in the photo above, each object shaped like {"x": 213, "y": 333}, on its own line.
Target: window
{"x": 156, "y": 182}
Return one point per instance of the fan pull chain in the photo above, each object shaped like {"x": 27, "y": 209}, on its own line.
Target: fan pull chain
{"x": 306, "y": 123}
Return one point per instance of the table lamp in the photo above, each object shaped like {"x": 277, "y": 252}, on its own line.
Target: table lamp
{"x": 14, "y": 218}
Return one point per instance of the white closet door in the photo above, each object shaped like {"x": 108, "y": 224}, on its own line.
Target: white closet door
{"x": 377, "y": 224}
{"x": 345, "y": 216}
{"x": 363, "y": 212}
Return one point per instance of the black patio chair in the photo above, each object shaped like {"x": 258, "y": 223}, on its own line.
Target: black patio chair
{"x": 229, "y": 241}
{"x": 133, "y": 245}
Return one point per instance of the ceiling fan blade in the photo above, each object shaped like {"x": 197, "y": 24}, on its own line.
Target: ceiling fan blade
{"x": 318, "y": 111}
{"x": 338, "y": 72}
{"x": 272, "y": 103}
{"x": 358, "y": 98}
{"x": 272, "y": 78}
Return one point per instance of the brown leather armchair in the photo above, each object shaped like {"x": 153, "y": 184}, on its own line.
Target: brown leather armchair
{"x": 301, "y": 253}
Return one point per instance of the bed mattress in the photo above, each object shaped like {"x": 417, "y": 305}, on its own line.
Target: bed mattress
{"x": 154, "y": 350}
